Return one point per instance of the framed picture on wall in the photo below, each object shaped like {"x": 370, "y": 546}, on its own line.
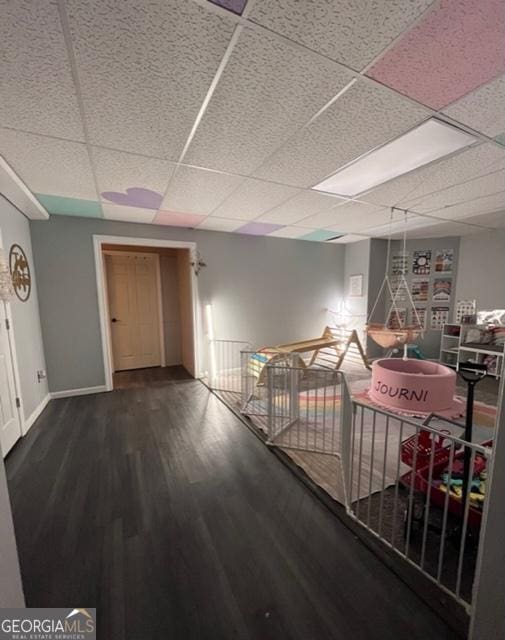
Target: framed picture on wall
{"x": 356, "y": 285}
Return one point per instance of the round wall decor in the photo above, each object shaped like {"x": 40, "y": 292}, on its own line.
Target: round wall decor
{"x": 20, "y": 273}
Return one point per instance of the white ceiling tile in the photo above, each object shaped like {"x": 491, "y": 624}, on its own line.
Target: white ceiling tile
{"x": 252, "y": 199}
{"x": 349, "y": 31}
{"x": 48, "y": 165}
{"x": 291, "y": 232}
{"x": 198, "y": 191}
{"x": 477, "y": 188}
{"x": 475, "y": 207}
{"x": 119, "y": 171}
{"x": 349, "y": 238}
{"x": 145, "y": 69}
{"x": 494, "y": 220}
{"x": 220, "y": 224}
{"x": 127, "y": 214}
{"x": 38, "y": 92}
{"x": 301, "y": 206}
{"x": 468, "y": 164}
{"x": 350, "y": 213}
{"x": 483, "y": 109}
{"x": 268, "y": 90}
{"x": 444, "y": 230}
{"x": 362, "y": 118}
{"x": 401, "y": 226}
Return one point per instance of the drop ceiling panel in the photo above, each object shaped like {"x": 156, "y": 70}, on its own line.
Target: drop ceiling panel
{"x": 352, "y": 216}
{"x": 454, "y": 49}
{"x": 479, "y": 187}
{"x": 484, "y": 109}
{"x": 268, "y": 90}
{"x": 364, "y": 117}
{"x": 198, "y": 191}
{"x": 349, "y": 238}
{"x": 475, "y": 207}
{"x": 252, "y": 199}
{"x": 349, "y": 31}
{"x": 401, "y": 226}
{"x": 125, "y": 173}
{"x": 291, "y": 232}
{"x": 38, "y": 93}
{"x": 127, "y": 214}
{"x": 457, "y": 169}
{"x": 145, "y": 69}
{"x": 48, "y": 165}
{"x": 214, "y": 223}
{"x": 494, "y": 220}
{"x": 302, "y": 206}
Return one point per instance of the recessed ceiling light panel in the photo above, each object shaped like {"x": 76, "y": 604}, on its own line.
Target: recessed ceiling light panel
{"x": 429, "y": 141}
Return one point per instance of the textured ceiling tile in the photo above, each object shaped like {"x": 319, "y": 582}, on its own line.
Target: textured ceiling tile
{"x": 178, "y": 219}
{"x": 117, "y": 171}
{"x": 350, "y": 31}
{"x": 258, "y": 228}
{"x": 198, "y": 191}
{"x": 477, "y": 188}
{"x": 349, "y": 238}
{"x": 64, "y": 206}
{"x": 237, "y": 6}
{"x": 291, "y": 232}
{"x": 301, "y": 206}
{"x": 495, "y": 220}
{"x": 144, "y": 69}
{"x": 444, "y": 230}
{"x": 214, "y": 223}
{"x": 37, "y": 93}
{"x": 459, "y": 168}
{"x": 47, "y": 165}
{"x": 475, "y": 207}
{"x": 364, "y": 117}
{"x": 484, "y": 109}
{"x": 253, "y": 198}
{"x": 319, "y": 235}
{"x": 350, "y": 211}
{"x": 457, "y": 47}
{"x": 268, "y": 90}
{"x": 354, "y": 217}
{"x": 127, "y": 214}
{"x": 413, "y": 222}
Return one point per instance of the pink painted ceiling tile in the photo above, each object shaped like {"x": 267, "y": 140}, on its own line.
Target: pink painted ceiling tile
{"x": 455, "y": 49}
{"x": 176, "y": 219}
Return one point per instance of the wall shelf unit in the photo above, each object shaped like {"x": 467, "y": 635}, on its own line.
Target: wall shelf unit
{"x": 454, "y": 348}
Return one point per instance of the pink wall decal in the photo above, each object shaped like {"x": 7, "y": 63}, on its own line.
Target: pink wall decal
{"x": 135, "y": 197}
{"x": 177, "y": 219}
{"x": 458, "y": 47}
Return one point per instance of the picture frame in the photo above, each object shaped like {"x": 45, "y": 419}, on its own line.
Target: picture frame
{"x": 356, "y": 285}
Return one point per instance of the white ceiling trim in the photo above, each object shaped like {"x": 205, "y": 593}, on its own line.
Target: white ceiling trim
{"x": 18, "y": 194}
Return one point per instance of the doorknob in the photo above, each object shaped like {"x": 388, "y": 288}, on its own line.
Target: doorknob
{"x": 114, "y": 320}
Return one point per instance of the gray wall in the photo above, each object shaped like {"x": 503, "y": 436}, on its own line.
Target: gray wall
{"x": 481, "y": 273}
{"x": 264, "y": 290}
{"x": 171, "y": 308}
{"x": 25, "y": 315}
{"x": 11, "y": 591}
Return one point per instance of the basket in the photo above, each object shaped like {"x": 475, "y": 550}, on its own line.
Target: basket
{"x": 425, "y": 441}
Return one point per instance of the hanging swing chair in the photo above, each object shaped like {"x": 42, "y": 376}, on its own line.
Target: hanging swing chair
{"x": 395, "y": 332}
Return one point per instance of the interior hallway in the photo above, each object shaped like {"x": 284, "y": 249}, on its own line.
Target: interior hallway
{"x": 160, "y": 508}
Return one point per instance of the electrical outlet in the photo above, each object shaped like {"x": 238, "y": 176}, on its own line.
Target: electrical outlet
{"x": 41, "y": 374}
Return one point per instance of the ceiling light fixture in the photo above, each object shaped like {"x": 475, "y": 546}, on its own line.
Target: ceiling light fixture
{"x": 429, "y": 141}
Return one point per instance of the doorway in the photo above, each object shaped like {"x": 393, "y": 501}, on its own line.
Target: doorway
{"x": 147, "y": 299}
{"x": 10, "y": 422}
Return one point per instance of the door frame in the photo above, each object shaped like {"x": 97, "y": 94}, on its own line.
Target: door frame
{"x": 6, "y": 317}
{"x": 111, "y": 252}
{"x": 103, "y": 305}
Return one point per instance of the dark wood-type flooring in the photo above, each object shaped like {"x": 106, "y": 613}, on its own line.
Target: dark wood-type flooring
{"x": 157, "y": 506}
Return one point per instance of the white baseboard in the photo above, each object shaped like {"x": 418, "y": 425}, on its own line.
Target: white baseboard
{"x": 68, "y": 393}
{"x": 35, "y": 413}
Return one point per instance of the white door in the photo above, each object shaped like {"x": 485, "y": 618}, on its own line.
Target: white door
{"x": 10, "y": 424}
{"x": 132, "y": 282}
